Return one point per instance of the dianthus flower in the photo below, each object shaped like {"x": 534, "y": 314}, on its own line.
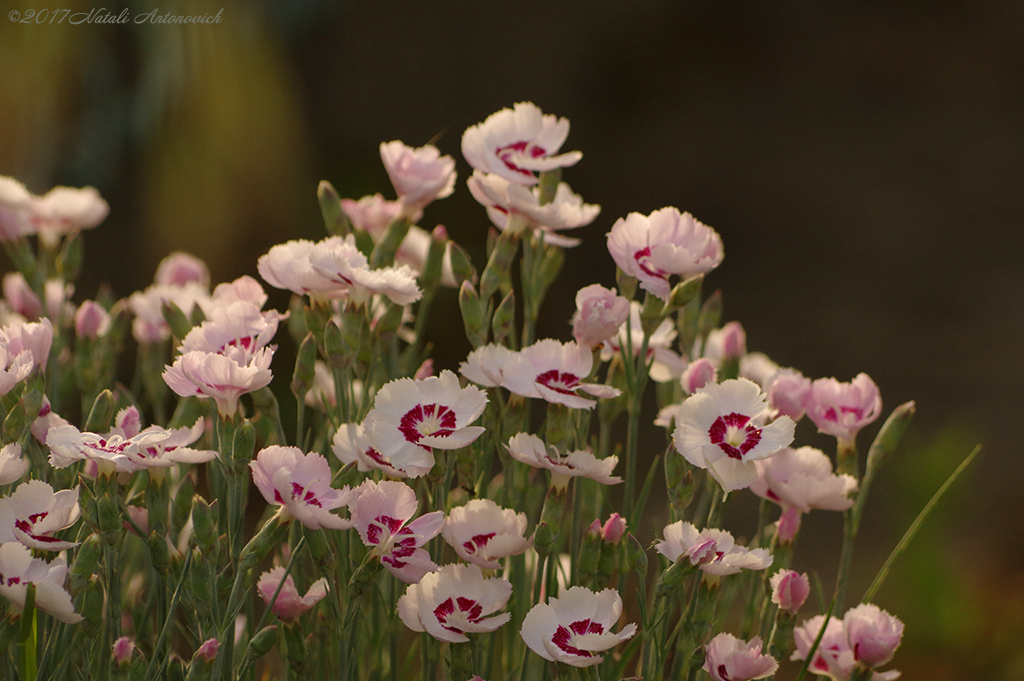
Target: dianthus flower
{"x": 727, "y": 658}
{"x": 418, "y": 175}
{"x": 842, "y": 409}
{"x": 34, "y": 336}
{"x": 455, "y": 601}
{"x": 382, "y": 512}
{"x": 515, "y": 143}
{"x": 63, "y": 210}
{"x": 554, "y": 371}
{"x": 410, "y": 417}
{"x": 666, "y": 364}
{"x": 149, "y": 325}
{"x": 352, "y": 444}
{"x": 487, "y": 364}
{"x": 653, "y": 248}
{"x": 481, "y": 532}
{"x": 180, "y": 268}
{"x": 835, "y": 656}
{"x": 207, "y": 374}
{"x": 289, "y": 604}
{"x": 714, "y": 551}
{"x": 802, "y": 478}
{"x": 301, "y": 484}
{"x": 237, "y": 330}
{"x": 12, "y": 466}
{"x": 575, "y": 627}
{"x": 33, "y": 512}
{"x": 530, "y": 449}
{"x": 18, "y": 569}
{"x": 720, "y": 429}
{"x": 600, "y": 313}
{"x": 349, "y": 273}
{"x": 14, "y": 205}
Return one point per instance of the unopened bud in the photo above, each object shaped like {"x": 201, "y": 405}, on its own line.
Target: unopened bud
{"x": 636, "y": 556}
{"x": 262, "y": 642}
{"x": 305, "y": 367}
{"x": 474, "y": 316}
{"x": 462, "y": 267}
{"x": 698, "y": 373}
{"x": 790, "y": 590}
{"x": 124, "y": 647}
{"x": 503, "y": 323}
{"x": 181, "y": 268}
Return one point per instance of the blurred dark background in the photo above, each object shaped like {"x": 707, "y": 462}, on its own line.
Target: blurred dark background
{"x": 861, "y": 160}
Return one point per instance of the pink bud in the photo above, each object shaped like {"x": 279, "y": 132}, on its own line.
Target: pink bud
{"x": 20, "y": 297}
{"x": 728, "y": 342}
{"x": 613, "y": 529}
{"x": 180, "y": 268}
{"x": 123, "y": 649}
{"x": 599, "y": 314}
{"x": 788, "y": 525}
{"x": 698, "y": 374}
{"x": 790, "y": 590}
{"x": 440, "y": 233}
{"x": 208, "y": 651}
{"x": 873, "y": 634}
{"x": 91, "y": 320}
{"x": 788, "y": 393}
{"x": 594, "y": 531}
{"x": 57, "y": 293}
{"x": 426, "y": 370}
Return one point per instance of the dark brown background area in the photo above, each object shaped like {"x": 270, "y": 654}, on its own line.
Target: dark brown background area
{"x": 861, "y": 160}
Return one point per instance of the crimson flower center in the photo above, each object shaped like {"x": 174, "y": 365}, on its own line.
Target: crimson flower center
{"x": 508, "y": 152}
{"x": 734, "y": 434}
{"x": 565, "y": 638}
{"x": 560, "y": 381}
{"x": 430, "y": 420}
{"x": 643, "y": 261}
{"x": 460, "y": 610}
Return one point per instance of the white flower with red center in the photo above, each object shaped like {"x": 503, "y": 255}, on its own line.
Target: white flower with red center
{"x": 455, "y": 601}
{"x": 666, "y": 243}
{"x": 842, "y": 409}
{"x": 487, "y": 364}
{"x": 728, "y": 658}
{"x": 352, "y": 444}
{"x": 348, "y": 270}
{"x": 18, "y": 569}
{"x": 530, "y": 449}
{"x": 33, "y": 512}
{"x": 63, "y": 210}
{"x": 834, "y": 657}
{"x": 37, "y": 337}
{"x": 515, "y": 143}
{"x": 720, "y": 429}
{"x": 207, "y": 374}
{"x": 410, "y": 417}
{"x": 575, "y": 627}
{"x": 301, "y": 484}
{"x": 482, "y": 532}
{"x": 237, "y": 330}
{"x": 162, "y": 447}
{"x": 289, "y": 604}
{"x": 802, "y": 478}
{"x": 418, "y": 175}
{"x": 110, "y": 451}
{"x": 516, "y": 208}
{"x": 667, "y": 365}
{"x": 554, "y": 371}
{"x": 382, "y": 513}
{"x": 714, "y": 551}
{"x": 12, "y": 466}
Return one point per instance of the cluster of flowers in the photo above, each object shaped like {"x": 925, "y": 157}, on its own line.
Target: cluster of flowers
{"x": 392, "y": 422}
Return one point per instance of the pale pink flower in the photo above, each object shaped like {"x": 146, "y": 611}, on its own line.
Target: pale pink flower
{"x": 759, "y": 368}
{"x": 34, "y": 336}
{"x": 180, "y": 268}
{"x": 289, "y": 604}
{"x": 455, "y": 601}
{"x": 612, "y": 530}
{"x": 698, "y": 374}
{"x": 348, "y": 271}
{"x": 554, "y": 371}
{"x": 163, "y": 447}
{"x": 714, "y": 551}
{"x": 788, "y": 525}
{"x": 409, "y": 418}
{"x": 373, "y": 214}
{"x": 33, "y": 512}
{"x": 206, "y": 374}
{"x": 666, "y": 364}
{"x": 20, "y": 296}
{"x": 15, "y": 200}
{"x": 63, "y": 210}
{"x": 487, "y": 364}
{"x": 57, "y": 299}
{"x": 301, "y": 484}
{"x": 834, "y": 657}
{"x": 123, "y": 650}
{"x": 599, "y": 314}
{"x": 789, "y": 589}
{"x": 873, "y": 634}
{"x": 419, "y": 175}
{"x": 530, "y": 449}
{"x": 14, "y": 368}
{"x": 287, "y": 266}
{"x": 788, "y": 393}
{"x": 149, "y": 325}
{"x": 515, "y": 143}
{"x": 12, "y": 466}
{"x": 653, "y": 248}
{"x": 728, "y": 342}
{"x": 19, "y": 569}
{"x": 244, "y": 289}
{"x": 842, "y": 409}
{"x": 382, "y": 513}
{"x": 91, "y": 320}
{"x": 720, "y": 429}
{"x": 802, "y": 478}
{"x": 728, "y": 658}
{"x": 481, "y": 532}
{"x": 352, "y": 443}
{"x": 575, "y": 627}
{"x": 237, "y": 330}
{"x": 516, "y": 208}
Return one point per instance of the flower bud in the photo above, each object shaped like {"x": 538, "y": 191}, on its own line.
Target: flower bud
{"x": 202, "y": 524}
{"x": 426, "y": 370}
{"x": 503, "y": 322}
{"x": 599, "y": 314}
{"x": 636, "y": 556}
{"x": 305, "y": 367}
{"x": 873, "y": 634}
{"x": 613, "y": 529}
{"x": 698, "y": 374}
{"x": 91, "y": 320}
{"x": 788, "y": 525}
{"x": 262, "y": 642}
{"x": 473, "y": 315}
{"x": 891, "y": 433}
{"x": 180, "y": 268}
{"x": 20, "y": 296}
{"x": 207, "y": 651}
{"x": 124, "y": 647}
{"x": 790, "y": 590}
{"x": 788, "y": 393}
{"x": 462, "y": 267}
